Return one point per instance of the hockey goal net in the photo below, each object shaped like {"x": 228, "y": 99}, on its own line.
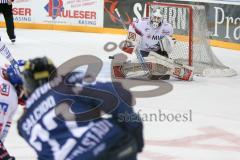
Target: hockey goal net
{"x": 191, "y": 31}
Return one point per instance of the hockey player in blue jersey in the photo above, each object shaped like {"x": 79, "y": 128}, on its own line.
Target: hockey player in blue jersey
{"x": 63, "y": 118}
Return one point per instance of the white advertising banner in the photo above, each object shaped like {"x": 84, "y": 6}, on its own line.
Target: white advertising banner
{"x": 22, "y": 11}
{"x": 65, "y": 12}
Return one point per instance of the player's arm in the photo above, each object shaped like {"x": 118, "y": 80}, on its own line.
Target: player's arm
{"x": 7, "y": 54}
{"x": 132, "y": 38}
{"x": 123, "y": 108}
{"x": 134, "y": 124}
{"x": 5, "y": 131}
{"x": 169, "y": 28}
{"x": 12, "y": 108}
{"x": 8, "y": 124}
{"x": 168, "y": 41}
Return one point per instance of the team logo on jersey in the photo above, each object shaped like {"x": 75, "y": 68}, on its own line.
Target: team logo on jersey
{"x": 132, "y": 36}
{"x": 5, "y": 89}
{"x": 3, "y": 108}
{"x": 165, "y": 32}
{"x": 54, "y": 8}
{"x": 156, "y": 37}
{"x": 149, "y": 36}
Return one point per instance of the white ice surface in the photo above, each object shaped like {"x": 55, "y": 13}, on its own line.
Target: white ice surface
{"x": 213, "y": 133}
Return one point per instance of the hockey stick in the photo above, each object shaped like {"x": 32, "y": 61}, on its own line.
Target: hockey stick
{"x": 120, "y": 19}
{"x": 137, "y": 52}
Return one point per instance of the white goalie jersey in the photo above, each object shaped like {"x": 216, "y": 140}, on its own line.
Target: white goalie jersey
{"x": 150, "y": 37}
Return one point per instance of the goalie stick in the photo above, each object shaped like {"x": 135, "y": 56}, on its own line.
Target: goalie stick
{"x": 136, "y": 50}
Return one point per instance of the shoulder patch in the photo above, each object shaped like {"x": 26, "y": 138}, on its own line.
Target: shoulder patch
{"x": 4, "y": 89}
{"x": 167, "y": 24}
{"x": 145, "y": 18}
{"x": 136, "y": 21}
{"x": 3, "y": 108}
{"x": 132, "y": 36}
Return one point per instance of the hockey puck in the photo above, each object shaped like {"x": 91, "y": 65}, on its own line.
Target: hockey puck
{"x": 111, "y": 57}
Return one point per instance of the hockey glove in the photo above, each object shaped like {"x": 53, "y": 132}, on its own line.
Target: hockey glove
{"x": 4, "y": 155}
{"x": 128, "y": 47}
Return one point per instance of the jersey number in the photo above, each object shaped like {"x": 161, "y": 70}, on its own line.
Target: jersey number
{"x": 39, "y": 135}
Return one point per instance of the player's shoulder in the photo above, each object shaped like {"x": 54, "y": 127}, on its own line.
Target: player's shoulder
{"x": 6, "y": 88}
{"x": 165, "y": 24}
{"x": 8, "y": 95}
{"x": 167, "y": 28}
{"x": 142, "y": 20}
{"x": 145, "y": 19}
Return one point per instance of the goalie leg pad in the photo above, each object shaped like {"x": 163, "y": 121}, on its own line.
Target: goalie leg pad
{"x": 183, "y": 74}
{"x": 177, "y": 70}
{"x": 117, "y": 72}
{"x": 129, "y": 70}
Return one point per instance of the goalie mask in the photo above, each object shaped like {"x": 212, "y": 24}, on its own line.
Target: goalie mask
{"x": 156, "y": 18}
{"x": 37, "y": 72}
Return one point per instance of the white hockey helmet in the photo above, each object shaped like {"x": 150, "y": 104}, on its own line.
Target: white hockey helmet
{"x": 156, "y": 17}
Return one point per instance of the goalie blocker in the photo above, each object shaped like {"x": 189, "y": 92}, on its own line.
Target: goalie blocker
{"x": 158, "y": 65}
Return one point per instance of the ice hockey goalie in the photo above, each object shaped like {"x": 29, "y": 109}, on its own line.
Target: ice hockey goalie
{"x": 151, "y": 40}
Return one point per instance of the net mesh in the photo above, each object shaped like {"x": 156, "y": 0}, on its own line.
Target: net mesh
{"x": 191, "y": 31}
